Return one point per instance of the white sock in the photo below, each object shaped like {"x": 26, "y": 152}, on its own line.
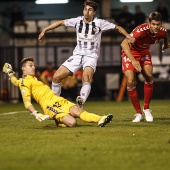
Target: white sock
{"x": 85, "y": 91}
{"x": 56, "y": 88}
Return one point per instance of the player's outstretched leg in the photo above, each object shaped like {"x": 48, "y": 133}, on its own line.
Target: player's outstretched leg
{"x": 79, "y": 101}
{"x": 105, "y": 120}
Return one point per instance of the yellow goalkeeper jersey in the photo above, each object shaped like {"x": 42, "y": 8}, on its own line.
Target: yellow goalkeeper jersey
{"x": 30, "y": 87}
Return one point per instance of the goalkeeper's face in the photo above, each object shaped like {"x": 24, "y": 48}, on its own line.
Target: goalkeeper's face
{"x": 29, "y": 68}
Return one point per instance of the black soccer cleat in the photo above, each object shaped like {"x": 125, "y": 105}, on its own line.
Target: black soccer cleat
{"x": 79, "y": 101}
{"x": 105, "y": 120}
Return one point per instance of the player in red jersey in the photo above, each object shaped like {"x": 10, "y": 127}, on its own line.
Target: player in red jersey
{"x": 137, "y": 58}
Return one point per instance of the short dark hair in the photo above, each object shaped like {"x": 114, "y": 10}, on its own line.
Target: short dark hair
{"x": 91, "y": 3}
{"x": 155, "y": 16}
{"x": 24, "y": 60}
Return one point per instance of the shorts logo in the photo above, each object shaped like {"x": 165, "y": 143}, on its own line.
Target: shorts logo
{"x": 145, "y": 58}
{"x": 69, "y": 60}
{"x": 57, "y": 104}
{"x": 127, "y": 65}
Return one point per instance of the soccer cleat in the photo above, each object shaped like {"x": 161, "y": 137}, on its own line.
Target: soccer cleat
{"x": 138, "y": 117}
{"x": 79, "y": 101}
{"x": 105, "y": 120}
{"x": 148, "y": 115}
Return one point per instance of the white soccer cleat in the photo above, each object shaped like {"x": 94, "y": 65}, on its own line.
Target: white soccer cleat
{"x": 148, "y": 115}
{"x": 79, "y": 101}
{"x": 138, "y": 117}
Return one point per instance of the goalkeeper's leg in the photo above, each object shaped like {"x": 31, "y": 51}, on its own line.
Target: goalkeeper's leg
{"x": 90, "y": 117}
{"x": 66, "y": 119}
{"x": 61, "y": 119}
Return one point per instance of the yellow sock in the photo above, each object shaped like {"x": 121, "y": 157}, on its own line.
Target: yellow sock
{"x": 89, "y": 117}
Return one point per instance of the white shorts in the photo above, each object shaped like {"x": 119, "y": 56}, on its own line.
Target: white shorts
{"x": 76, "y": 62}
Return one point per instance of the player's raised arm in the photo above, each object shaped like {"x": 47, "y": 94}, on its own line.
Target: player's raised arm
{"x": 7, "y": 68}
{"x": 51, "y": 27}
{"x": 123, "y": 31}
{"x": 125, "y": 46}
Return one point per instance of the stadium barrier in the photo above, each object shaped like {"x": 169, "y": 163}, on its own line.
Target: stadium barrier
{"x": 108, "y": 63}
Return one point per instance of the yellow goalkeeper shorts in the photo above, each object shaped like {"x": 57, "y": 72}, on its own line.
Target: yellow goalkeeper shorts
{"x": 57, "y": 107}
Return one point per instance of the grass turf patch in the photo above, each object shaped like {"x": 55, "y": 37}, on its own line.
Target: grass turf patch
{"x": 28, "y": 144}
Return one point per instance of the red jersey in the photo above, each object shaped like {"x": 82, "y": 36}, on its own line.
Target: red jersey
{"x": 144, "y": 38}
{"x": 140, "y": 49}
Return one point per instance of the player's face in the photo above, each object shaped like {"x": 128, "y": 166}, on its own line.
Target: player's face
{"x": 29, "y": 68}
{"x": 155, "y": 26}
{"x": 88, "y": 13}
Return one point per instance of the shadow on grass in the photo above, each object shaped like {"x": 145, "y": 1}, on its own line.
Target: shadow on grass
{"x": 53, "y": 126}
{"x": 167, "y": 119}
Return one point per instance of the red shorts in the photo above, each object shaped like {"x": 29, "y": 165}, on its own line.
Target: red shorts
{"x": 143, "y": 57}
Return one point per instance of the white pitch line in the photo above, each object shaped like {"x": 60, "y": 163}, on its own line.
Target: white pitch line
{"x": 11, "y": 113}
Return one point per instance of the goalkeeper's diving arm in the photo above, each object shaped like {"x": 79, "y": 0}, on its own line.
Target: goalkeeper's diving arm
{"x": 7, "y": 68}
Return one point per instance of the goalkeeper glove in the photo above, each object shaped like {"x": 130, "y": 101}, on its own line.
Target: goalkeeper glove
{"x": 40, "y": 117}
{"x": 7, "y": 68}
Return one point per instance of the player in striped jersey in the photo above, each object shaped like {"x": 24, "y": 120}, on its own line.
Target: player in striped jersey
{"x": 54, "y": 107}
{"x": 137, "y": 58}
{"x": 85, "y": 55}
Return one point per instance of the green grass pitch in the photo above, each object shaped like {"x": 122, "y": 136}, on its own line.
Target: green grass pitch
{"x": 26, "y": 144}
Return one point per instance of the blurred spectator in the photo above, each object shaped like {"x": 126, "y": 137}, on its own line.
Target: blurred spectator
{"x": 139, "y": 16}
{"x": 69, "y": 88}
{"x": 17, "y": 17}
{"x": 163, "y": 10}
{"x": 71, "y": 85}
{"x": 125, "y": 19}
{"x": 47, "y": 75}
{"x": 38, "y": 74}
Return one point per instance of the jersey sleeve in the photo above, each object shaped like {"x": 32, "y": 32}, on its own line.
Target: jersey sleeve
{"x": 25, "y": 88}
{"x": 163, "y": 32}
{"x": 71, "y": 22}
{"x": 26, "y": 96}
{"x": 105, "y": 25}
{"x": 138, "y": 32}
{"x": 15, "y": 81}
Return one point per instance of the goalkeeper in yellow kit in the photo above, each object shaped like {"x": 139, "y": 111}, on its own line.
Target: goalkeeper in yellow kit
{"x": 57, "y": 108}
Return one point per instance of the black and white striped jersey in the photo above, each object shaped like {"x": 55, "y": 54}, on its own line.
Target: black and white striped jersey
{"x": 88, "y": 35}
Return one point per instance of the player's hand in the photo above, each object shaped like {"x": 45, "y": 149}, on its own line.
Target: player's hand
{"x": 7, "y": 68}
{"x": 41, "y": 36}
{"x": 165, "y": 47}
{"x": 41, "y": 117}
{"x": 137, "y": 66}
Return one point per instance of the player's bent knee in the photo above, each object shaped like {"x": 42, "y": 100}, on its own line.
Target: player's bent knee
{"x": 130, "y": 83}
{"x": 69, "y": 121}
{"x": 72, "y": 123}
{"x": 56, "y": 79}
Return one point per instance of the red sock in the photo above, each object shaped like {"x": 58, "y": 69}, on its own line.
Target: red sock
{"x": 148, "y": 91}
{"x": 133, "y": 95}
